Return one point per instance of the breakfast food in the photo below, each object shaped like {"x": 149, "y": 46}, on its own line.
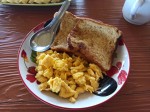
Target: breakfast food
{"x": 30, "y": 1}
{"x": 66, "y": 75}
{"x": 94, "y": 41}
{"x": 82, "y": 50}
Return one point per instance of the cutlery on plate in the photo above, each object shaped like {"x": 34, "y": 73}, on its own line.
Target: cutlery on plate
{"x": 107, "y": 86}
{"x": 42, "y": 39}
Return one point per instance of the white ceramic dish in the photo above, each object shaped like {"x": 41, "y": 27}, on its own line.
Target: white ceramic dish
{"x": 119, "y": 72}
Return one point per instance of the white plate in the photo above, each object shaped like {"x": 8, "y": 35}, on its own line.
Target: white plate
{"x": 120, "y": 70}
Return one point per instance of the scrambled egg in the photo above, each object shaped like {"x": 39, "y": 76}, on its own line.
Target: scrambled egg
{"x": 66, "y": 75}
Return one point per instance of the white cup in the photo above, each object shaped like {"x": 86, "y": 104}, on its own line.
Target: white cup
{"x": 136, "y": 11}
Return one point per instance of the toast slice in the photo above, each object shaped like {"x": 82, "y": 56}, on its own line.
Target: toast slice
{"x": 87, "y": 38}
{"x": 68, "y": 23}
{"x": 94, "y": 41}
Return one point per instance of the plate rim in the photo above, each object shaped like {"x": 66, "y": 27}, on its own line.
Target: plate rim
{"x": 32, "y": 4}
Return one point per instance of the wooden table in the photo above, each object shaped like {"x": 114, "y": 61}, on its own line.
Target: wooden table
{"x": 16, "y": 22}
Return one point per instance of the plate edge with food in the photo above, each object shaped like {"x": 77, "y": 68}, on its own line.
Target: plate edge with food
{"x": 31, "y": 3}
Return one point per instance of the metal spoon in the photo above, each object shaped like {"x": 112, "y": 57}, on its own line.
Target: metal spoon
{"x": 107, "y": 86}
{"x": 42, "y": 39}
